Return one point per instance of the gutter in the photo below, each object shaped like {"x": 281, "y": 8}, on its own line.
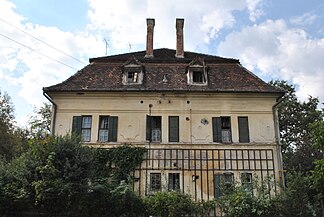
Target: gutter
{"x": 54, "y": 106}
{"x": 278, "y": 145}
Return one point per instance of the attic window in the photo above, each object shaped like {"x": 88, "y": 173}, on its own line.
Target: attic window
{"x": 132, "y": 77}
{"x": 198, "y": 77}
{"x": 133, "y": 74}
{"x": 197, "y": 72}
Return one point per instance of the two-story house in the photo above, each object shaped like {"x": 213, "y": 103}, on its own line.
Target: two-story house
{"x": 203, "y": 118}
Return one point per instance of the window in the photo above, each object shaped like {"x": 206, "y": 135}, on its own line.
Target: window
{"x": 173, "y": 128}
{"x": 153, "y": 128}
{"x": 132, "y": 77}
{"x": 222, "y": 129}
{"x": 197, "y": 72}
{"x": 155, "y": 181}
{"x": 223, "y": 183}
{"x": 133, "y": 74}
{"x": 82, "y": 125}
{"x": 198, "y": 77}
{"x": 108, "y": 129}
{"x": 246, "y": 179}
{"x": 174, "y": 182}
{"x": 243, "y": 125}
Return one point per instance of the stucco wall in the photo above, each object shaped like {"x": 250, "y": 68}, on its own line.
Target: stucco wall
{"x": 132, "y": 108}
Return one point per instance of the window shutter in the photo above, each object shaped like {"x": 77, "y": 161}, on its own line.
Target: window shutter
{"x": 217, "y": 129}
{"x": 173, "y": 128}
{"x": 243, "y": 129}
{"x": 217, "y": 185}
{"x": 77, "y": 124}
{"x": 148, "y": 127}
{"x": 113, "y": 126}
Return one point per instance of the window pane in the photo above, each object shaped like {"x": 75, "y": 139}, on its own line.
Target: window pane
{"x": 103, "y": 122}
{"x": 103, "y": 135}
{"x": 86, "y": 133}
{"x": 198, "y": 76}
{"x": 155, "y": 181}
{"x": 86, "y": 122}
{"x": 174, "y": 181}
{"x": 132, "y": 77}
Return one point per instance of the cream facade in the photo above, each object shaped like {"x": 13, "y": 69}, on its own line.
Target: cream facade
{"x": 196, "y": 158}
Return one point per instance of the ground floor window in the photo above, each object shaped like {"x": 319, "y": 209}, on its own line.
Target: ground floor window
{"x": 174, "y": 182}
{"x": 155, "y": 181}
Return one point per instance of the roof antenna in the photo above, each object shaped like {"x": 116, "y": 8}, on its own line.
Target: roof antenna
{"x": 130, "y": 46}
{"x": 107, "y": 45}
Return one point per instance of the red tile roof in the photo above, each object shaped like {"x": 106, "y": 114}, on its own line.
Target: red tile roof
{"x": 106, "y": 73}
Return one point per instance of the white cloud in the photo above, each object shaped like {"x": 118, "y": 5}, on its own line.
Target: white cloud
{"x": 124, "y": 20}
{"x": 24, "y": 71}
{"x": 305, "y": 19}
{"x": 282, "y": 53}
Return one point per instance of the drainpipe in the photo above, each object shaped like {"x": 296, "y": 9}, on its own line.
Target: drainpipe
{"x": 54, "y": 106}
{"x": 278, "y": 145}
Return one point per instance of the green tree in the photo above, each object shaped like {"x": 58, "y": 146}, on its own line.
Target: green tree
{"x": 40, "y": 122}
{"x": 13, "y": 140}
{"x": 295, "y": 118}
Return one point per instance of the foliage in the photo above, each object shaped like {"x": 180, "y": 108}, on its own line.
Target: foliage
{"x": 298, "y": 198}
{"x": 169, "y": 204}
{"x": 317, "y": 132}
{"x": 124, "y": 159}
{"x": 6, "y": 125}
{"x": 242, "y": 201}
{"x": 57, "y": 176}
{"x": 295, "y": 118}
{"x": 40, "y": 122}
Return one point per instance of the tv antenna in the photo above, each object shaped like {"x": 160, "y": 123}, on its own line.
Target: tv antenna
{"x": 130, "y": 46}
{"x": 107, "y": 44}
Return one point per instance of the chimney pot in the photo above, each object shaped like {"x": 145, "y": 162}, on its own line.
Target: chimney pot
{"x": 149, "y": 37}
{"x": 179, "y": 28}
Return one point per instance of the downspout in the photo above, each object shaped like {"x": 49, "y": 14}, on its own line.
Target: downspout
{"x": 278, "y": 146}
{"x": 54, "y": 106}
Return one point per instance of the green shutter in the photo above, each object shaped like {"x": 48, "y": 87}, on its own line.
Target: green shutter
{"x": 113, "y": 127}
{"x": 77, "y": 124}
{"x": 217, "y": 129}
{"x": 148, "y": 127}
{"x": 243, "y": 129}
{"x": 173, "y": 128}
{"x": 217, "y": 185}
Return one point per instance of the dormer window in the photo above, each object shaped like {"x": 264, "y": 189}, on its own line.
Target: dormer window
{"x": 197, "y": 73}
{"x": 198, "y": 77}
{"x": 132, "y": 72}
{"x": 132, "y": 77}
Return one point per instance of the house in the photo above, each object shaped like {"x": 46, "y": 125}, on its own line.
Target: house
{"x": 204, "y": 119}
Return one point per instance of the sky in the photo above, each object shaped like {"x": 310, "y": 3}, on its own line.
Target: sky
{"x": 43, "y": 42}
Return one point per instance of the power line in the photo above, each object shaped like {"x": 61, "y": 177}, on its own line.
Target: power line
{"x": 38, "y": 52}
{"x": 42, "y": 41}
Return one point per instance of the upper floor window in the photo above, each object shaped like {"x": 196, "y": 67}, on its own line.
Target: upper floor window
{"x": 173, "y": 128}
{"x": 82, "y": 125}
{"x": 222, "y": 129}
{"x": 197, "y": 72}
{"x": 132, "y": 72}
{"x": 243, "y": 125}
{"x": 108, "y": 129}
{"x": 153, "y": 128}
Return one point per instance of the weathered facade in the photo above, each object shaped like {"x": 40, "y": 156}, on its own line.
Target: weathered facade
{"x": 202, "y": 118}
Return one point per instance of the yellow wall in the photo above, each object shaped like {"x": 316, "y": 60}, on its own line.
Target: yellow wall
{"x": 132, "y": 108}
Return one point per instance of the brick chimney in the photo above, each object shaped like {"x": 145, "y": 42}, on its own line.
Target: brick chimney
{"x": 179, "y": 27}
{"x": 149, "y": 37}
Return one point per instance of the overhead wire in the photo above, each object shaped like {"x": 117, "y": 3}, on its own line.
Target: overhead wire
{"x": 38, "y": 51}
{"x": 42, "y": 41}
